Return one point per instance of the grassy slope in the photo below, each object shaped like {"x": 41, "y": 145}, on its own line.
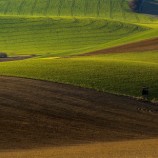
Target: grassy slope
{"x": 47, "y": 36}
{"x": 111, "y": 9}
{"x": 30, "y": 26}
{"x": 117, "y": 73}
{"x": 61, "y": 36}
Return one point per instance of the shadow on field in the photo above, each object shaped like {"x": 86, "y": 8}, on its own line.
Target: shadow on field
{"x": 150, "y": 7}
{"x": 141, "y": 46}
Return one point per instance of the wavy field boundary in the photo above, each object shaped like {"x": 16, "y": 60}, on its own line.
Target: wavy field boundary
{"x": 124, "y": 73}
{"x": 60, "y": 36}
{"x": 36, "y": 26}
{"x": 141, "y": 46}
{"x": 111, "y": 9}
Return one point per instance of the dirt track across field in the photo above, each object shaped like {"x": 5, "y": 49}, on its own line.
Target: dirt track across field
{"x": 141, "y": 46}
{"x": 38, "y": 114}
{"x": 15, "y": 58}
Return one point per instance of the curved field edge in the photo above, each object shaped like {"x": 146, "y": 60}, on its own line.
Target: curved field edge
{"x": 110, "y": 9}
{"x": 141, "y": 46}
{"x": 47, "y": 37}
{"x": 123, "y": 74}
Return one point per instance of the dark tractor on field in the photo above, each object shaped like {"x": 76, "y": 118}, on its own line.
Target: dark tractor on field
{"x": 145, "y": 93}
{"x": 3, "y": 55}
{"x": 135, "y": 5}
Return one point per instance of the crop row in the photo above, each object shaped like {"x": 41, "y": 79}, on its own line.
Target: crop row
{"x": 113, "y": 9}
{"x": 21, "y": 35}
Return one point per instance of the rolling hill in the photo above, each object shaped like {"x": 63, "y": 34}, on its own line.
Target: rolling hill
{"x": 86, "y": 62}
{"x": 111, "y": 9}
{"x": 33, "y": 32}
{"x": 36, "y": 26}
{"x": 47, "y": 36}
{"x": 48, "y": 114}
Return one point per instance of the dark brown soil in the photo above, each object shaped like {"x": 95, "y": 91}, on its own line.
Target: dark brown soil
{"x": 141, "y": 46}
{"x": 38, "y": 113}
{"x": 15, "y": 58}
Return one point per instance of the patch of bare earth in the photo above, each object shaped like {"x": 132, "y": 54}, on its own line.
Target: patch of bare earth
{"x": 37, "y": 114}
{"x": 15, "y": 58}
{"x": 141, "y": 46}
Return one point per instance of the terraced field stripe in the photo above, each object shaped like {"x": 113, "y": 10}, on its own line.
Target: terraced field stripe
{"x": 20, "y": 8}
{"x": 33, "y": 7}
{"x": 107, "y": 10}
{"x": 73, "y": 7}
{"x": 43, "y": 35}
{"x": 47, "y": 7}
{"x": 7, "y": 7}
{"x": 137, "y": 18}
{"x": 111, "y": 6}
{"x": 122, "y": 9}
{"x": 98, "y": 8}
{"x": 85, "y": 8}
{"x": 60, "y": 6}
{"x": 112, "y": 9}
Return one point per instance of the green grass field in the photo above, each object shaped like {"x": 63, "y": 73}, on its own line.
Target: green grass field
{"x": 60, "y": 36}
{"x": 110, "y": 9}
{"x": 117, "y": 73}
{"x": 55, "y": 28}
{"x": 60, "y": 28}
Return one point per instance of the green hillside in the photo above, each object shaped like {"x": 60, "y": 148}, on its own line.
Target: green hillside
{"x": 66, "y": 27}
{"x": 117, "y": 73}
{"x": 58, "y": 36}
{"x": 55, "y": 28}
{"x": 110, "y": 9}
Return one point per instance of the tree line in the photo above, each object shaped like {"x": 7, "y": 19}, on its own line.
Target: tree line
{"x": 135, "y": 5}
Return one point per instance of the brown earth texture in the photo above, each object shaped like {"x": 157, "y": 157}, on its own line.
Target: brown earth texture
{"x": 141, "y": 46}
{"x": 36, "y": 114}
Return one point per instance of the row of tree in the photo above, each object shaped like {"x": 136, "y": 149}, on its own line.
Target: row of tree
{"x": 135, "y": 5}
